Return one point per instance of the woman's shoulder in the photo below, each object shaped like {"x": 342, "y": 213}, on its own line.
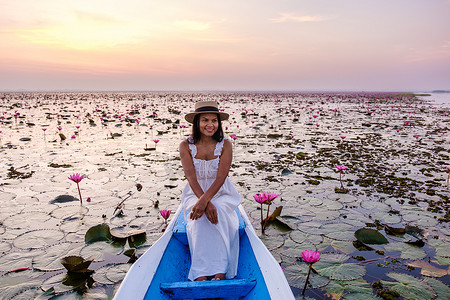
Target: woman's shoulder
{"x": 184, "y": 144}
{"x": 187, "y": 141}
{"x": 226, "y": 141}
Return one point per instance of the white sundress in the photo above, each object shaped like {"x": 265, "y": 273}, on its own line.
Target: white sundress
{"x": 214, "y": 248}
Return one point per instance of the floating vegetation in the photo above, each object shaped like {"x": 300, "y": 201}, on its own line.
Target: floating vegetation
{"x": 381, "y": 225}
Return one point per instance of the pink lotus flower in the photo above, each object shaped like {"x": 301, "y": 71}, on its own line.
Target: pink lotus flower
{"x": 233, "y": 136}
{"x": 156, "y": 141}
{"x": 165, "y": 214}
{"x": 341, "y": 167}
{"x": 269, "y": 196}
{"x": 310, "y": 257}
{"x": 44, "y": 129}
{"x": 265, "y": 198}
{"x": 77, "y": 178}
{"x": 59, "y": 127}
{"x": 343, "y": 136}
{"x": 259, "y": 198}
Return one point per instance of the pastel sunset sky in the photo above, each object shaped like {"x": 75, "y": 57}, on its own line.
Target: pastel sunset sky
{"x": 147, "y": 45}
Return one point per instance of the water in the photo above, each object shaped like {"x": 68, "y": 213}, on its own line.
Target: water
{"x": 439, "y": 99}
{"x": 395, "y": 177}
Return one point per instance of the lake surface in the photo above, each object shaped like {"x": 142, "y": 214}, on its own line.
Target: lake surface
{"x": 395, "y": 189}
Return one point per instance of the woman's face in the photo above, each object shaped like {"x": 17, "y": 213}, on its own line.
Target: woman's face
{"x": 208, "y": 124}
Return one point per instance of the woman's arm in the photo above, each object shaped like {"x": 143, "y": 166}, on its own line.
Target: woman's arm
{"x": 222, "y": 173}
{"x": 189, "y": 170}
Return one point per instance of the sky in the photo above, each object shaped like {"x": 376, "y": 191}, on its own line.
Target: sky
{"x": 202, "y": 45}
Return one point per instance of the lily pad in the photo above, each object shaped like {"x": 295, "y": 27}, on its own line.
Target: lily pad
{"x": 77, "y": 263}
{"x": 298, "y": 236}
{"x": 70, "y": 212}
{"x": 99, "y": 249}
{"x": 38, "y": 239}
{"x": 15, "y": 283}
{"x": 355, "y": 287}
{"x": 26, "y": 220}
{"x": 50, "y": 260}
{"x": 386, "y": 217}
{"x": 296, "y": 275}
{"x": 117, "y": 272}
{"x": 428, "y": 269}
{"x": 409, "y": 286}
{"x": 98, "y": 233}
{"x": 338, "y": 231}
{"x": 64, "y": 199}
{"x": 18, "y": 260}
{"x": 442, "y": 290}
{"x": 294, "y": 250}
{"x": 272, "y": 242}
{"x": 370, "y": 236}
{"x": 333, "y": 267}
{"x": 407, "y": 251}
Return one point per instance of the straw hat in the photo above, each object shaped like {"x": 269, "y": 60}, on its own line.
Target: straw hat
{"x": 206, "y": 107}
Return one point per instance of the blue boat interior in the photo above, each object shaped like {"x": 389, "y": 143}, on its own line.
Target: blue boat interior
{"x": 171, "y": 278}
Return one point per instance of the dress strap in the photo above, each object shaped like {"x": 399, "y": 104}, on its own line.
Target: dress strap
{"x": 218, "y": 149}
{"x": 193, "y": 149}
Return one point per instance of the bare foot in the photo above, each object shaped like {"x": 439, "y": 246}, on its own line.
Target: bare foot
{"x": 220, "y": 276}
{"x": 201, "y": 278}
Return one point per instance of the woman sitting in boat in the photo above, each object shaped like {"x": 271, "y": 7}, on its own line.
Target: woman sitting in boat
{"x": 209, "y": 197}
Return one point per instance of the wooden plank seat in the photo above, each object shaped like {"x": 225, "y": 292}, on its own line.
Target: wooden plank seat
{"x": 228, "y": 289}
{"x": 179, "y": 230}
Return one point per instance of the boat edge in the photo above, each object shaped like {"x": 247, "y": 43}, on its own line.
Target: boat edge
{"x": 140, "y": 274}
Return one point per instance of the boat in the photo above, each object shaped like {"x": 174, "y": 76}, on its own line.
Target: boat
{"x": 162, "y": 271}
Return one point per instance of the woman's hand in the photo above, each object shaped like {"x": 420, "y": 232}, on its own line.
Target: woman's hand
{"x": 211, "y": 213}
{"x": 198, "y": 209}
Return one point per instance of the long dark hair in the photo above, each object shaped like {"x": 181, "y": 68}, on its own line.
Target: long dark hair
{"x": 196, "y": 135}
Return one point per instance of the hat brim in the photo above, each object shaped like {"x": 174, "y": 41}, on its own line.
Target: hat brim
{"x": 190, "y": 116}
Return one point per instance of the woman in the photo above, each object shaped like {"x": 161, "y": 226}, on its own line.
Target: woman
{"x": 209, "y": 197}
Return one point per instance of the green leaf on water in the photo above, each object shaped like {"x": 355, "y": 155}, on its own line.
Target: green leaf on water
{"x": 338, "y": 231}
{"x": 64, "y": 199}
{"x": 272, "y": 241}
{"x": 333, "y": 266}
{"x": 15, "y": 283}
{"x": 77, "y": 264}
{"x": 407, "y": 251}
{"x": 370, "y": 236}
{"x": 117, "y": 272}
{"x": 286, "y": 172}
{"x": 359, "y": 286}
{"x": 38, "y": 239}
{"x": 428, "y": 269}
{"x": 98, "y": 233}
{"x": 409, "y": 286}
{"x": 51, "y": 259}
{"x": 360, "y": 296}
{"x": 296, "y": 275}
{"x": 98, "y": 250}
{"x": 442, "y": 290}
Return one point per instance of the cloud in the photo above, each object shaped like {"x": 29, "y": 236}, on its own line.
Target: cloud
{"x": 284, "y": 17}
